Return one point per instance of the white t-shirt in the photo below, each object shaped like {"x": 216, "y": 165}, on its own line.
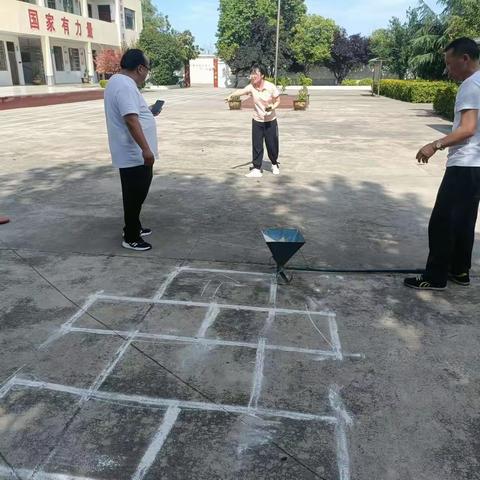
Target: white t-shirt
{"x": 261, "y": 100}
{"x": 122, "y": 97}
{"x": 468, "y": 98}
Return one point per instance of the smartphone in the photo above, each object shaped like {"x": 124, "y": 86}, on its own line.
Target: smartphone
{"x": 157, "y": 107}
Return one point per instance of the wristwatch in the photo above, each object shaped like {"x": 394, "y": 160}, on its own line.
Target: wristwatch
{"x": 439, "y": 146}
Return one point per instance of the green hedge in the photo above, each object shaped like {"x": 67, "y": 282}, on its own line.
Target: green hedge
{"x": 103, "y": 83}
{"x": 361, "y": 82}
{"x": 414, "y": 91}
{"x": 444, "y": 102}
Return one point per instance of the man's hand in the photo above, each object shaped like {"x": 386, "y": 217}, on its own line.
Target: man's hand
{"x": 425, "y": 153}
{"x": 148, "y": 158}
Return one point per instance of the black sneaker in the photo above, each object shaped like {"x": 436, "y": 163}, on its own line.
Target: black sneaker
{"x": 420, "y": 283}
{"x": 140, "y": 246}
{"x": 462, "y": 279}
{"x": 145, "y": 232}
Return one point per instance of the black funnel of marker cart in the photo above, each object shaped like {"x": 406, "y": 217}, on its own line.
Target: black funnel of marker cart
{"x": 284, "y": 243}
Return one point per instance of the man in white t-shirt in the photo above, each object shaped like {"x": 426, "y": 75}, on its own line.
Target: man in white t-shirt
{"x": 451, "y": 231}
{"x": 266, "y": 98}
{"x": 132, "y": 137}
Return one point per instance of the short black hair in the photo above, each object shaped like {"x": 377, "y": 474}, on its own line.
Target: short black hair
{"x": 132, "y": 59}
{"x": 464, "y": 46}
{"x": 260, "y": 68}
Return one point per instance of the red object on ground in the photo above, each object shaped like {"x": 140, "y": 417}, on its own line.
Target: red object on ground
{"x": 40, "y": 100}
{"x": 4, "y": 220}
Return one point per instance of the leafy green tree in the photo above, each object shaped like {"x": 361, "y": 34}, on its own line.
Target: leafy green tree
{"x": 313, "y": 40}
{"x": 291, "y": 11}
{"x": 428, "y": 44}
{"x": 463, "y": 18}
{"x": 167, "y": 49}
{"x": 234, "y": 26}
{"x": 260, "y": 48}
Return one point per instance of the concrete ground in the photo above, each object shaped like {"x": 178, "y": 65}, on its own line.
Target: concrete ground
{"x": 190, "y": 361}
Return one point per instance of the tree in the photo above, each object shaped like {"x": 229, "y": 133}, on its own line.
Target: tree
{"x": 260, "y": 48}
{"x": 428, "y": 44}
{"x": 108, "y": 62}
{"x": 313, "y": 40}
{"x": 167, "y": 50}
{"x": 292, "y": 12}
{"x": 463, "y": 18}
{"x": 234, "y": 26}
{"x": 347, "y": 53}
{"x": 189, "y": 51}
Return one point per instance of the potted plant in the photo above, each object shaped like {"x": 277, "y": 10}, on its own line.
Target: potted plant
{"x": 37, "y": 75}
{"x": 283, "y": 83}
{"x": 234, "y": 102}
{"x": 301, "y": 102}
{"x": 85, "y": 78}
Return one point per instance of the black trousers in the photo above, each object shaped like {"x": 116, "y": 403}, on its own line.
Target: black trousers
{"x": 135, "y": 185}
{"x": 451, "y": 231}
{"x": 267, "y": 131}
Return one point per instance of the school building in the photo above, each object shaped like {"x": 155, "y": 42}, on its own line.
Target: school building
{"x": 56, "y": 41}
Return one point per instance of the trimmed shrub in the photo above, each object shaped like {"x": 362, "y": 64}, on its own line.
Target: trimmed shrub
{"x": 103, "y": 83}
{"x": 414, "y": 91}
{"x": 444, "y": 102}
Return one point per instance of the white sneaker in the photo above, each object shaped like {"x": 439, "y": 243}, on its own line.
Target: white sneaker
{"x": 275, "y": 170}
{"x": 254, "y": 173}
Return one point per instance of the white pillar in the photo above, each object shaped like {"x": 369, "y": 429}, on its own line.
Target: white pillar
{"x": 90, "y": 66}
{"x": 41, "y": 3}
{"x": 119, "y": 20}
{"x": 85, "y": 8}
{"x": 47, "y": 61}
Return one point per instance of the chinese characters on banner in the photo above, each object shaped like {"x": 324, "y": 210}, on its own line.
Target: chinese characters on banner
{"x": 64, "y": 24}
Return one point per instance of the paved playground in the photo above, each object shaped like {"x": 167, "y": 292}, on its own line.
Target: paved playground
{"x": 191, "y": 361}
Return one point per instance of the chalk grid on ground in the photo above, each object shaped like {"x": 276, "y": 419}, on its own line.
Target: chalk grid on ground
{"x": 338, "y": 416}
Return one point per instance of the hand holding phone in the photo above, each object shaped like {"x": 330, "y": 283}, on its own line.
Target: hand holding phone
{"x": 156, "y": 108}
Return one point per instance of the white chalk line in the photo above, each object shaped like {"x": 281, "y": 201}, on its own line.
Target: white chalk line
{"x": 343, "y": 422}
{"x": 109, "y": 368}
{"x": 336, "y": 345}
{"x": 273, "y": 290}
{"x": 165, "y": 402}
{"x": 7, "y": 473}
{"x": 64, "y": 328}
{"x": 258, "y": 375}
{"x": 225, "y": 306}
{"x": 230, "y": 272}
{"x": 148, "y": 458}
{"x": 153, "y": 337}
{"x": 209, "y": 320}
{"x": 170, "y": 278}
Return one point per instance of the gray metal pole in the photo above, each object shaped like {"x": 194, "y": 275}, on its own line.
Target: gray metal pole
{"x": 278, "y": 37}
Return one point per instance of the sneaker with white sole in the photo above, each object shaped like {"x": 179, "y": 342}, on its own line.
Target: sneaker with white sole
{"x": 275, "y": 170}
{"x": 145, "y": 232}
{"x": 138, "y": 246}
{"x": 254, "y": 173}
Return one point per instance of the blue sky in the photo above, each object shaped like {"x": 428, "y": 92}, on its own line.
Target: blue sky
{"x": 356, "y": 16}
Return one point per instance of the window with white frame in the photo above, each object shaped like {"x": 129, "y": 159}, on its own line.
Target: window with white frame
{"x": 74, "y": 56}
{"x": 129, "y": 19}
{"x": 3, "y": 56}
{"x": 58, "y": 56}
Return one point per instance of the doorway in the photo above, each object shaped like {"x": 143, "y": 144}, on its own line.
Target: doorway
{"x": 12, "y": 60}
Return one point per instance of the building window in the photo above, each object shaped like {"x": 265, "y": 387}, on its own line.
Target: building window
{"x": 104, "y": 13}
{"x": 68, "y": 6}
{"x": 90, "y": 13}
{"x": 74, "y": 55}
{"x": 51, "y": 4}
{"x": 129, "y": 19}
{"x": 58, "y": 55}
{"x": 3, "y": 57}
